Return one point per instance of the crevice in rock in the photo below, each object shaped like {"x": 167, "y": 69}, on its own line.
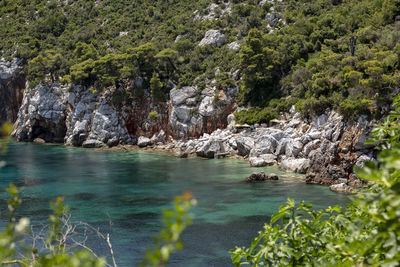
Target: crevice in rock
{"x": 50, "y": 132}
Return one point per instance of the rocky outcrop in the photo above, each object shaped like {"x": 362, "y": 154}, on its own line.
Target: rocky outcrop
{"x": 12, "y": 84}
{"x": 194, "y": 112}
{"x": 212, "y": 37}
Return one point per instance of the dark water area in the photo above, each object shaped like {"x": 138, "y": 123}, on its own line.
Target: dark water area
{"x": 124, "y": 193}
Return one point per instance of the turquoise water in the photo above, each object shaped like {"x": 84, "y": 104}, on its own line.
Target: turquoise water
{"x": 130, "y": 189}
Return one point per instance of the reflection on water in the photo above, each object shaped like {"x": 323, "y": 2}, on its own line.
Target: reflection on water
{"x": 130, "y": 189}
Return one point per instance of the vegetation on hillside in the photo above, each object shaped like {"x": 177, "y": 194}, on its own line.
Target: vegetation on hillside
{"x": 341, "y": 55}
{"x": 325, "y": 54}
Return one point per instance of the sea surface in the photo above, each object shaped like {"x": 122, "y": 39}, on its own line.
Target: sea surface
{"x": 124, "y": 193}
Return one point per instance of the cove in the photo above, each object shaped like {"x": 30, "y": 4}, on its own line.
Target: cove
{"x": 131, "y": 188}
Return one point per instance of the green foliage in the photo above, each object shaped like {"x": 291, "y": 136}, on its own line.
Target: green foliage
{"x": 14, "y": 250}
{"x": 168, "y": 241}
{"x": 387, "y": 134}
{"x": 47, "y": 63}
{"x": 364, "y": 233}
{"x": 255, "y": 115}
{"x": 5, "y": 132}
{"x": 310, "y": 58}
{"x": 156, "y": 89}
{"x": 257, "y": 62}
{"x": 153, "y": 115}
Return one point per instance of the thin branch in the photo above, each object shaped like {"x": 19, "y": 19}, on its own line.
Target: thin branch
{"x": 111, "y": 250}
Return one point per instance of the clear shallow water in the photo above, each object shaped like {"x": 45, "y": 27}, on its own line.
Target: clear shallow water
{"x": 130, "y": 189}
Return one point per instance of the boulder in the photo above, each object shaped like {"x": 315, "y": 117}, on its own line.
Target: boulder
{"x": 234, "y": 46}
{"x": 362, "y": 159}
{"x": 210, "y": 149}
{"x": 39, "y": 141}
{"x": 342, "y": 188}
{"x": 261, "y": 176}
{"x": 310, "y": 147}
{"x": 180, "y": 154}
{"x": 114, "y": 141}
{"x": 144, "y": 141}
{"x": 293, "y": 148}
{"x": 244, "y": 145}
{"x": 265, "y": 144}
{"x": 179, "y": 96}
{"x": 295, "y": 165}
{"x": 159, "y": 137}
{"x": 281, "y": 148}
{"x": 91, "y": 143}
{"x": 212, "y": 37}
{"x": 263, "y": 160}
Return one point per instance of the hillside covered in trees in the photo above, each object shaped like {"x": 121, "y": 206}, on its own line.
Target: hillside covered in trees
{"x": 325, "y": 54}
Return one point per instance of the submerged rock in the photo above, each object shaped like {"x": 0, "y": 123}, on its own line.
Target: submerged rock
{"x": 261, "y": 176}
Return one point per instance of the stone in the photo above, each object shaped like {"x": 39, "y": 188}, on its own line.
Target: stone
{"x": 310, "y": 147}
{"x": 263, "y": 160}
{"x": 261, "y": 177}
{"x": 272, "y": 19}
{"x": 315, "y": 135}
{"x": 244, "y": 145}
{"x": 281, "y": 148}
{"x": 179, "y": 96}
{"x": 293, "y": 148}
{"x": 39, "y": 141}
{"x": 234, "y": 46}
{"x": 265, "y": 144}
{"x": 92, "y": 144}
{"x": 342, "y": 188}
{"x": 320, "y": 121}
{"x": 295, "y": 165}
{"x": 181, "y": 154}
{"x": 144, "y": 141}
{"x": 159, "y": 137}
{"x": 212, "y": 37}
{"x": 114, "y": 141}
{"x": 211, "y": 149}
{"x": 362, "y": 159}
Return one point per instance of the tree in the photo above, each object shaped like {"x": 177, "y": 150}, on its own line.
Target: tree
{"x": 256, "y": 59}
{"x": 167, "y": 56}
{"x": 47, "y": 63}
{"x": 156, "y": 88}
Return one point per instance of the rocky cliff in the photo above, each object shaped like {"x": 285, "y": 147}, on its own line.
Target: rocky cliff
{"x": 75, "y": 116}
{"x": 12, "y": 83}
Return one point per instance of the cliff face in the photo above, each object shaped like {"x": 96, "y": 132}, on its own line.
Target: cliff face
{"x": 76, "y": 116}
{"x": 12, "y": 84}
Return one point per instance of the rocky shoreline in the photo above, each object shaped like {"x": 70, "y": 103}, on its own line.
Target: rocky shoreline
{"x": 193, "y": 122}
